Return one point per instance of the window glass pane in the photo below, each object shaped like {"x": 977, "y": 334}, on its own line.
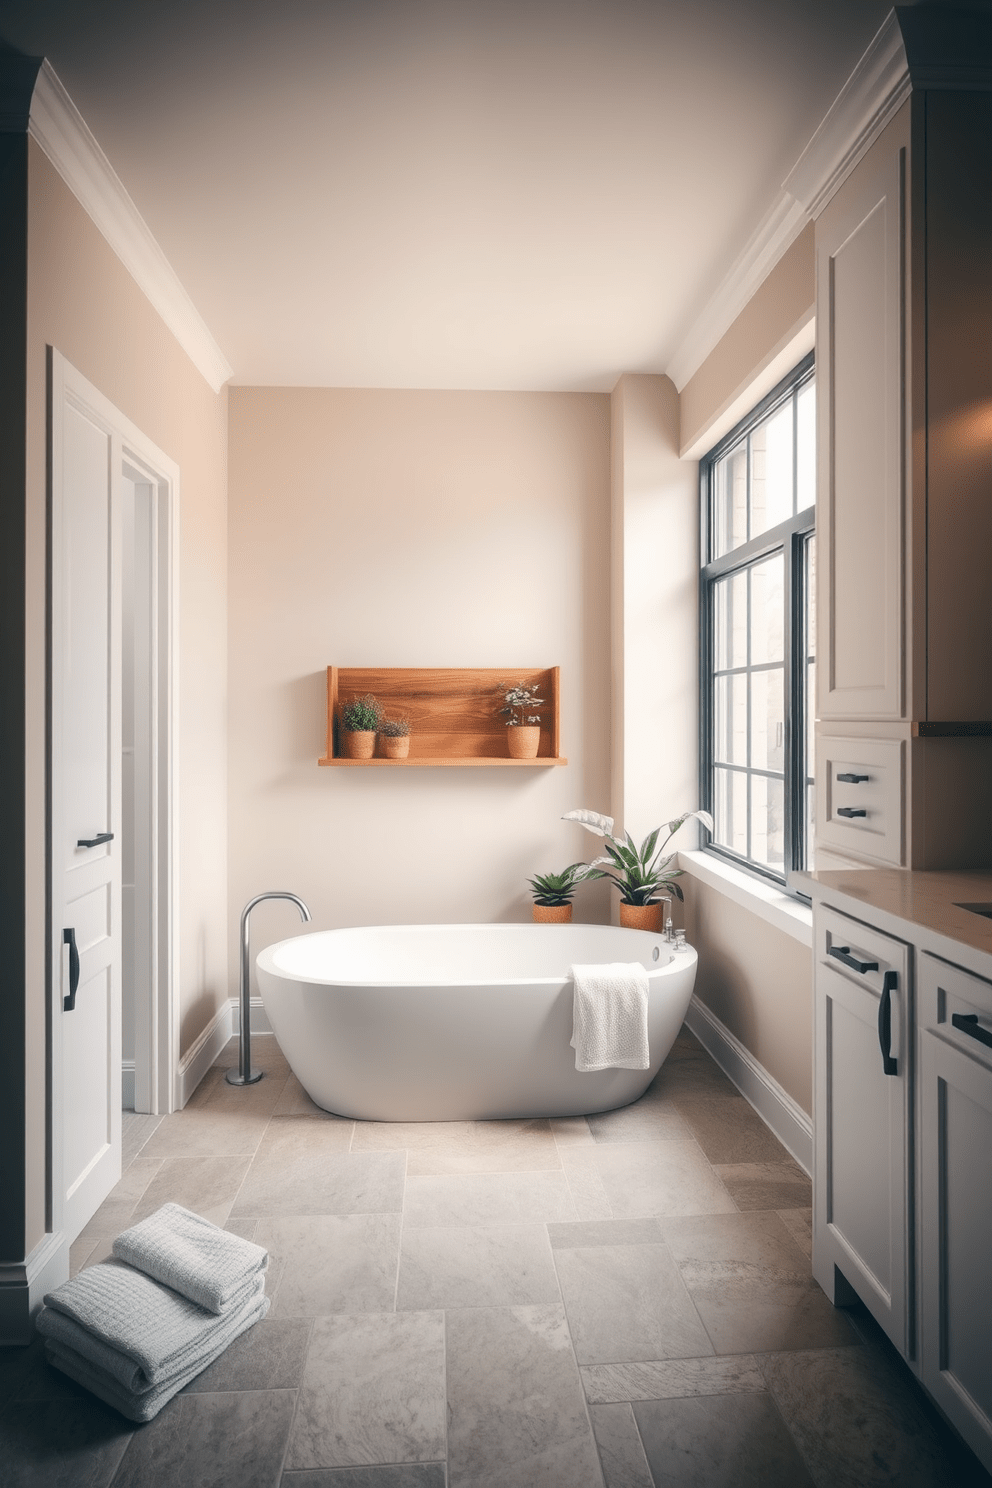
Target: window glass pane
{"x": 730, "y": 720}
{"x": 730, "y": 501}
{"x": 810, "y": 715}
{"x": 767, "y": 619}
{"x": 810, "y": 827}
{"x": 809, "y": 553}
{"x": 768, "y": 822}
{"x": 806, "y": 447}
{"x": 768, "y": 720}
{"x": 730, "y": 810}
{"x": 730, "y": 621}
{"x": 771, "y": 471}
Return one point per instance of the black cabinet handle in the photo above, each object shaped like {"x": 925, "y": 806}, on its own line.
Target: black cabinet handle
{"x": 69, "y": 939}
{"x": 968, "y": 1023}
{"x": 95, "y": 841}
{"x": 851, "y": 811}
{"x": 843, "y": 953}
{"x": 849, "y": 778}
{"x": 889, "y": 1065}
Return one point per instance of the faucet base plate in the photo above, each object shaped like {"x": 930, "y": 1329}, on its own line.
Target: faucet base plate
{"x": 251, "y": 1078}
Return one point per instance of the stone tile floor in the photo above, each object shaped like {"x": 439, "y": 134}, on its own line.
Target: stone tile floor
{"x": 622, "y": 1301}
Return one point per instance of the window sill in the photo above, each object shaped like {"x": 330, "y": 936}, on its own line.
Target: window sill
{"x": 764, "y": 900}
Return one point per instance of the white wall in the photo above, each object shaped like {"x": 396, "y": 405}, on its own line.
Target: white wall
{"x": 372, "y": 528}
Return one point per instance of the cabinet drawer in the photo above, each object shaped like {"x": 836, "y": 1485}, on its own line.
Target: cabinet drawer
{"x": 858, "y": 951}
{"x": 948, "y": 993}
{"x": 860, "y": 805}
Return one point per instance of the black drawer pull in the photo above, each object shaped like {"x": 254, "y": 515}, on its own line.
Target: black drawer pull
{"x": 95, "y": 841}
{"x": 843, "y": 953}
{"x": 851, "y": 811}
{"x": 69, "y": 939}
{"x": 968, "y": 1023}
{"x": 849, "y": 778}
{"x": 889, "y": 1065}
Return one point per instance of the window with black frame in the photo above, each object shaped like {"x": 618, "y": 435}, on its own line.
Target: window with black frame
{"x": 757, "y": 591}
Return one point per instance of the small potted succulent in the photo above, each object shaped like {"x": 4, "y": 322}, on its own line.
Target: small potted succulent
{"x": 395, "y": 736}
{"x": 644, "y": 875}
{"x": 523, "y": 720}
{"x": 360, "y": 721}
{"x": 553, "y": 894}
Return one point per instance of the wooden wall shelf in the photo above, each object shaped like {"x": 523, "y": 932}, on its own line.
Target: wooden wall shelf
{"x": 452, "y": 713}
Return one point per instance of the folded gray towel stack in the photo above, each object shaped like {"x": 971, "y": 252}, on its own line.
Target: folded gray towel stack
{"x": 133, "y": 1338}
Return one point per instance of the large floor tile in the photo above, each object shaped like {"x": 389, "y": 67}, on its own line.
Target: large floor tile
{"x": 208, "y": 1131}
{"x": 70, "y": 1442}
{"x": 799, "y": 1223}
{"x": 646, "y": 1179}
{"x": 645, "y": 1121}
{"x": 207, "y": 1185}
{"x": 862, "y": 1422}
{"x": 224, "y": 1440}
{"x": 767, "y": 1185}
{"x": 589, "y": 1197}
{"x": 499, "y": 1266}
{"x": 578, "y": 1235}
{"x": 269, "y": 1356}
{"x": 331, "y": 1262}
{"x": 136, "y": 1128}
{"x": 730, "y": 1133}
{"x": 266, "y": 1054}
{"x": 115, "y": 1212}
{"x": 627, "y": 1302}
{"x": 719, "y": 1441}
{"x": 516, "y": 1416}
{"x": 621, "y": 1451}
{"x": 214, "y": 1093}
{"x": 690, "y": 1073}
{"x": 751, "y": 1285}
{"x": 673, "y": 1379}
{"x": 481, "y": 1199}
{"x": 301, "y": 1168}
{"x": 372, "y": 1392}
{"x": 294, "y": 1101}
{"x": 408, "y": 1475}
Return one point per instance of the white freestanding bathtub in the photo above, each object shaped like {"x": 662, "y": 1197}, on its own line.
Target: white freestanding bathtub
{"x": 458, "y": 1022}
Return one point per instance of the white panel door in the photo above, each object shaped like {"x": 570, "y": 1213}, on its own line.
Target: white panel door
{"x": 86, "y": 804}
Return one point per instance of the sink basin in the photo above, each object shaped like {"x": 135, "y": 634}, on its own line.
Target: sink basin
{"x": 979, "y": 909}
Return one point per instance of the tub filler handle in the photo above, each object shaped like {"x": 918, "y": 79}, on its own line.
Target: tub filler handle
{"x": 244, "y": 1074}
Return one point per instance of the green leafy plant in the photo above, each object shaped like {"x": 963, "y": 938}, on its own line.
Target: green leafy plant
{"x": 520, "y": 702}
{"x": 394, "y": 728}
{"x": 362, "y": 715}
{"x": 558, "y": 888}
{"x": 642, "y": 874}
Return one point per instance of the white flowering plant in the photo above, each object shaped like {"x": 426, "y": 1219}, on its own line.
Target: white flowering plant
{"x": 642, "y": 874}
{"x": 520, "y": 703}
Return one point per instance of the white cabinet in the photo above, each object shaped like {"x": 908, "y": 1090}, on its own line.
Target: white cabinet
{"x": 862, "y": 1122}
{"x": 955, "y": 1100}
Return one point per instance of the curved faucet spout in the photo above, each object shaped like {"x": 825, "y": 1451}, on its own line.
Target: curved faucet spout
{"x": 245, "y": 1075}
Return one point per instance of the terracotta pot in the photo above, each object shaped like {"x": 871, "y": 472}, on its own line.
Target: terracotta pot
{"x": 396, "y": 746}
{"x": 641, "y": 917}
{"x": 522, "y": 740}
{"x": 358, "y": 743}
{"x": 552, "y": 914}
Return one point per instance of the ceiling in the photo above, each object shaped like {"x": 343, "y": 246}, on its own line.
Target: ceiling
{"x": 517, "y": 194}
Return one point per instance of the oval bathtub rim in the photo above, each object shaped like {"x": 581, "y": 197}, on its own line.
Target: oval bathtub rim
{"x": 655, "y": 974}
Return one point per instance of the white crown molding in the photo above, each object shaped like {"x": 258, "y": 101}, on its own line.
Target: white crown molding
{"x": 60, "y": 130}
{"x": 778, "y": 230}
{"x": 865, "y": 104}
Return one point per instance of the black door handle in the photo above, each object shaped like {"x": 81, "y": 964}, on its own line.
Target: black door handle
{"x": 851, "y": 811}
{"x": 968, "y": 1023}
{"x": 849, "y": 778}
{"x": 889, "y": 1065}
{"x": 69, "y": 939}
{"x": 843, "y": 953}
{"x": 95, "y": 841}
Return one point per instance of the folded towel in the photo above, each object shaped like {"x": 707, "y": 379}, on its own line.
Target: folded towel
{"x": 610, "y": 1016}
{"x": 143, "y": 1405}
{"x": 135, "y": 1329}
{"x": 208, "y": 1265}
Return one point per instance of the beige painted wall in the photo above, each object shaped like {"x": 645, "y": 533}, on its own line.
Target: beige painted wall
{"x": 759, "y": 983}
{"x": 82, "y": 301}
{"x": 655, "y": 561}
{"x": 771, "y": 334}
{"x": 410, "y": 529}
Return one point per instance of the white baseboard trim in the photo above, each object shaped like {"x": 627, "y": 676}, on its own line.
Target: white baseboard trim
{"x": 219, "y": 1031}
{"x": 23, "y": 1284}
{"x": 774, "y": 1105}
{"x": 127, "y": 1085}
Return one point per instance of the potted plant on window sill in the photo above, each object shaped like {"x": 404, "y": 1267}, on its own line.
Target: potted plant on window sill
{"x": 523, "y": 721}
{"x": 553, "y": 894}
{"x": 360, "y": 721}
{"x": 644, "y": 875}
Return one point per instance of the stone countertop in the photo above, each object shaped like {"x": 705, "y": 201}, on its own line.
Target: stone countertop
{"x": 930, "y": 899}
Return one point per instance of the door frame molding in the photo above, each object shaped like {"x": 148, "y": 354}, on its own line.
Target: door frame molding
{"x": 128, "y": 446}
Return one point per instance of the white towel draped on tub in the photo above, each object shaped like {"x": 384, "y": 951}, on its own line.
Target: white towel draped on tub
{"x": 610, "y": 1016}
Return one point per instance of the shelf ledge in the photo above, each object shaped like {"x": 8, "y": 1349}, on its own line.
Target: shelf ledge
{"x": 457, "y": 761}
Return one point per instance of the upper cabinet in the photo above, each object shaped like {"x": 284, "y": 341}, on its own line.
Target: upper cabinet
{"x": 904, "y": 516}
